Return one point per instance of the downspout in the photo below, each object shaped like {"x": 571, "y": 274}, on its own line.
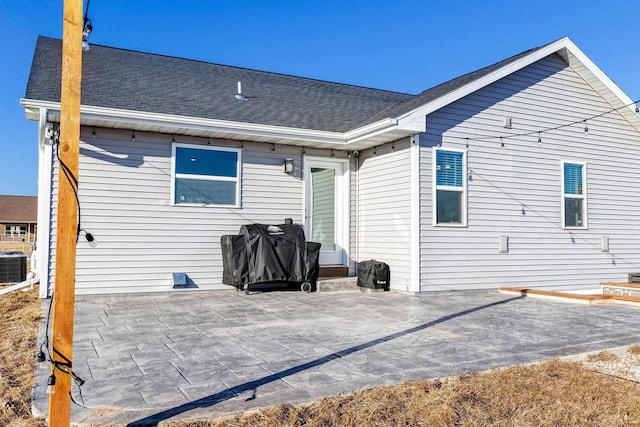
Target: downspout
{"x": 357, "y": 210}
{"x": 44, "y": 205}
{"x": 32, "y": 279}
{"x": 414, "y": 285}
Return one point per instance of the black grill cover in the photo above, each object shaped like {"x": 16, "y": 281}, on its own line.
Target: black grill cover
{"x": 313, "y": 263}
{"x": 235, "y": 264}
{"x": 269, "y": 253}
{"x": 373, "y": 274}
{"x": 276, "y": 252}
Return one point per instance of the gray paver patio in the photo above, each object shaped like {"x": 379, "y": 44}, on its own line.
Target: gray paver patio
{"x": 149, "y": 358}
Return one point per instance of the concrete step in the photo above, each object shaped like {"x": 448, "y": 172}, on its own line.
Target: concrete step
{"x": 334, "y": 271}
{"x": 337, "y": 284}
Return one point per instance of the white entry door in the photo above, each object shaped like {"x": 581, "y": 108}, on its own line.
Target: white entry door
{"x": 326, "y": 207}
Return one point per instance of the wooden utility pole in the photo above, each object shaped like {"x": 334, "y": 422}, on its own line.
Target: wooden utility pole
{"x": 66, "y": 231}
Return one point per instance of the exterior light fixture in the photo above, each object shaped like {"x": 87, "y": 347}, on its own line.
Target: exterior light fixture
{"x": 288, "y": 166}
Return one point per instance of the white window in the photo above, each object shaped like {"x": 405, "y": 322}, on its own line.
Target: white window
{"x": 574, "y": 195}
{"x": 15, "y": 230}
{"x": 205, "y": 175}
{"x": 450, "y": 187}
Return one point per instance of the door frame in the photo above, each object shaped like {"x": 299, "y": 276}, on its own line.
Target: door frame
{"x": 342, "y": 200}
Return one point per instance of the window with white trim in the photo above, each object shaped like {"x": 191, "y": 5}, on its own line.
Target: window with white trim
{"x": 205, "y": 175}
{"x": 450, "y": 186}
{"x": 574, "y": 195}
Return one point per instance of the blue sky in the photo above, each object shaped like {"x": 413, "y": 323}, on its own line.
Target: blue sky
{"x": 405, "y": 46}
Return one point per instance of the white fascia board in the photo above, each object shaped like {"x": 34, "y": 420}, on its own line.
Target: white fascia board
{"x": 195, "y": 123}
{"x": 598, "y": 73}
{"x": 138, "y": 118}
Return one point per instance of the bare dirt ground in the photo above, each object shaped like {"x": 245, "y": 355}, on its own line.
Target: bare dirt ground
{"x": 599, "y": 389}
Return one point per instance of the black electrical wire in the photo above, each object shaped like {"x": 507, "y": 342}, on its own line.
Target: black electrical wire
{"x": 86, "y": 11}
{"x": 73, "y": 181}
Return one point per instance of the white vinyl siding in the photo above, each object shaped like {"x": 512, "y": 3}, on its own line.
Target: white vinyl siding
{"x": 384, "y": 214}
{"x": 142, "y": 239}
{"x": 516, "y": 191}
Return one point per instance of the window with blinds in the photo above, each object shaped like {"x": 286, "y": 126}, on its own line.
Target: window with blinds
{"x": 449, "y": 187}
{"x": 574, "y": 195}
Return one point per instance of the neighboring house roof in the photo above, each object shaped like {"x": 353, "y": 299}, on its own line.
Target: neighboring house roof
{"x": 18, "y": 209}
{"x": 143, "y": 91}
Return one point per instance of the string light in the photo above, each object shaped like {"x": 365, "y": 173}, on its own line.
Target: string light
{"x": 540, "y": 131}
{"x": 501, "y": 142}
{"x": 539, "y": 138}
{"x": 87, "y": 28}
{"x": 467, "y": 143}
{"x": 133, "y": 136}
{"x": 586, "y": 128}
{"x": 51, "y": 384}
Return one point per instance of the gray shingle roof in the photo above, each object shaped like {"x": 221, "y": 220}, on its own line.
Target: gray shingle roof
{"x": 130, "y": 80}
{"x": 124, "y": 79}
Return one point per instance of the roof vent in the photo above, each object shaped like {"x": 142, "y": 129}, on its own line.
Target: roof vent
{"x": 239, "y": 95}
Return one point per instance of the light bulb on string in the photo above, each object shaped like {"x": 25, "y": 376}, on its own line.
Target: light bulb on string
{"x": 539, "y": 138}
{"x": 586, "y": 128}
{"x": 51, "y": 384}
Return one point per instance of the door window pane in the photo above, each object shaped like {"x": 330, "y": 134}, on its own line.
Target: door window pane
{"x": 323, "y": 207}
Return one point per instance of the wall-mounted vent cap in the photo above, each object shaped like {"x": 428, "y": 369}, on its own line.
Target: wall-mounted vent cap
{"x": 503, "y": 244}
{"x": 179, "y": 280}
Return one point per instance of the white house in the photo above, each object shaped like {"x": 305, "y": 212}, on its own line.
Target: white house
{"x": 522, "y": 173}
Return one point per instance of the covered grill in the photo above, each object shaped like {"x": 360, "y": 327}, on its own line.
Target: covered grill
{"x": 270, "y": 254}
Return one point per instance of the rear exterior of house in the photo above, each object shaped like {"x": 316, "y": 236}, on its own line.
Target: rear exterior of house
{"x": 424, "y": 183}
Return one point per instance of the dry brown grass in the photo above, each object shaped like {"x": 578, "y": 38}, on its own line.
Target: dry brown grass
{"x": 603, "y": 356}
{"x": 634, "y": 349}
{"x": 19, "y": 319}
{"x": 554, "y": 393}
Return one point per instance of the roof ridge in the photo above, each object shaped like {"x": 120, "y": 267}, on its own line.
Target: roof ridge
{"x": 239, "y": 68}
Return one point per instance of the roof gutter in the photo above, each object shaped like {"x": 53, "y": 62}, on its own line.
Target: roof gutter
{"x": 137, "y": 119}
